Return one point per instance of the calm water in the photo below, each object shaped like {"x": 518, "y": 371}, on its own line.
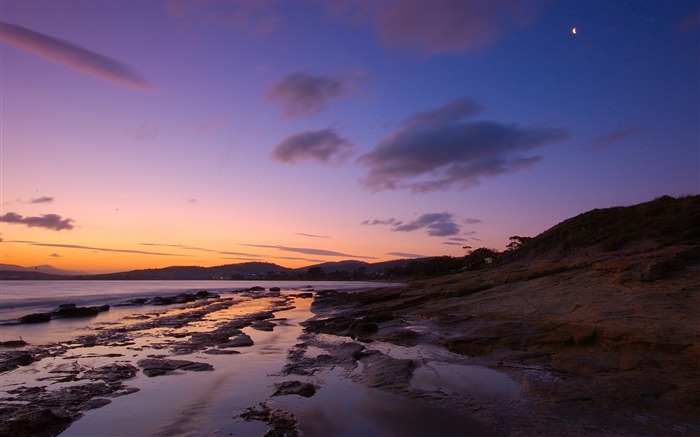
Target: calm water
{"x": 18, "y": 298}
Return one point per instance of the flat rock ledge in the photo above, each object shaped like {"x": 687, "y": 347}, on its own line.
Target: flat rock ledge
{"x": 159, "y": 366}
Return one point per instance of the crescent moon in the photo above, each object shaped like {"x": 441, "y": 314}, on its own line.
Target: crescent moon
{"x": 573, "y": 31}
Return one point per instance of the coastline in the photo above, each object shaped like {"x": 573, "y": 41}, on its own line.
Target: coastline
{"x": 573, "y": 346}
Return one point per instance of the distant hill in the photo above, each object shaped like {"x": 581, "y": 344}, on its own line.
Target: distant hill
{"x": 660, "y": 222}
{"x": 45, "y": 268}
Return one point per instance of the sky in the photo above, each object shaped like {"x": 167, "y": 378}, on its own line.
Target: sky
{"x": 144, "y": 134}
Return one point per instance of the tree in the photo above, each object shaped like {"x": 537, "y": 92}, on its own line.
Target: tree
{"x": 517, "y": 241}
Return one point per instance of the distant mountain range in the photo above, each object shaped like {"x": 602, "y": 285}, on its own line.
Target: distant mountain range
{"x": 349, "y": 269}
{"x": 45, "y": 268}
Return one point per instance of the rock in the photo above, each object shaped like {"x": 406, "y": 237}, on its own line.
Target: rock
{"x": 275, "y": 289}
{"x": 384, "y": 371}
{"x": 112, "y": 372}
{"x": 256, "y": 288}
{"x": 158, "y": 366}
{"x": 69, "y": 310}
{"x": 263, "y": 325}
{"x": 158, "y": 300}
{"x": 13, "y": 343}
{"x": 241, "y": 340}
{"x": 305, "y": 295}
{"x": 304, "y": 389}
{"x": 206, "y": 295}
{"x": 35, "y": 318}
{"x": 133, "y": 302}
{"x": 363, "y": 329}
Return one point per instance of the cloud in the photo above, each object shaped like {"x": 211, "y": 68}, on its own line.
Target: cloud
{"x": 447, "y": 152}
{"x": 454, "y": 110}
{"x": 255, "y": 17}
{"x": 324, "y": 146}
{"x": 49, "y": 221}
{"x": 611, "y": 138}
{"x": 43, "y": 199}
{"x": 406, "y": 255}
{"x": 91, "y": 248}
{"x": 312, "y": 235}
{"x": 376, "y": 222}
{"x": 55, "y": 255}
{"x": 202, "y": 249}
{"x": 452, "y": 243}
{"x": 458, "y": 239}
{"x": 440, "y": 26}
{"x": 304, "y": 94}
{"x": 472, "y": 221}
{"x": 67, "y": 54}
{"x": 309, "y": 251}
{"x": 437, "y": 224}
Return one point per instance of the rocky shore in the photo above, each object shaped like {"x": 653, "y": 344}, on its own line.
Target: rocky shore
{"x": 601, "y": 343}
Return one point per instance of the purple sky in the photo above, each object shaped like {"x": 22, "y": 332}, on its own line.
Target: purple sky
{"x": 145, "y": 134}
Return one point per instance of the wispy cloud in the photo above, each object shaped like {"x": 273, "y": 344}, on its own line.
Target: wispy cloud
{"x": 48, "y": 221}
{"x": 406, "y": 255}
{"x": 203, "y": 249}
{"x": 375, "y": 222}
{"x": 435, "y": 150}
{"x": 43, "y": 199}
{"x": 303, "y": 94}
{"x": 611, "y": 138}
{"x": 309, "y": 251}
{"x": 472, "y": 221}
{"x": 91, "y": 248}
{"x": 72, "y": 56}
{"x": 312, "y": 235}
{"x": 55, "y": 255}
{"x": 255, "y": 17}
{"x": 437, "y": 224}
{"x": 440, "y": 26}
{"x": 324, "y": 146}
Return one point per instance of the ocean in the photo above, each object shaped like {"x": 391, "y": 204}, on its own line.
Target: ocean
{"x": 19, "y": 298}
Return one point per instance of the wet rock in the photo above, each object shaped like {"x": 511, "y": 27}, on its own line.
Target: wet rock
{"x": 275, "y": 289}
{"x": 220, "y": 352}
{"x": 35, "y": 318}
{"x": 133, "y": 302}
{"x": 158, "y": 366}
{"x": 305, "y": 295}
{"x": 256, "y": 288}
{"x": 35, "y": 422}
{"x": 13, "y": 343}
{"x": 384, "y": 371}
{"x": 206, "y": 295}
{"x": 304, "y": 389}
{"x": 70, "y": 310}
{"x": 263, "y": 325}
{"x": 241, "y": 340}
{"x": 159, "y": 300}
{"x": 111, "y": 372}
{"x": 362, "y": 329}
{"x": 13, "y": 359}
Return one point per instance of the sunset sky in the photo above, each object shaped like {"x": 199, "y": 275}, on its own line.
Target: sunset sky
{"x": 144, "y": 134}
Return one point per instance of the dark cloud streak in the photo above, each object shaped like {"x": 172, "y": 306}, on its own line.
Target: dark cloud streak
{"x": 48, "y": 221}
{"x": 304, "y": 94}
{"x": 436, "y": 151}
{"x": 67, "y": 54}
{"x": 324, "y": 146}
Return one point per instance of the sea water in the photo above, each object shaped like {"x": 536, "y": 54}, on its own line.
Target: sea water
{"x": 19, "y": 298}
